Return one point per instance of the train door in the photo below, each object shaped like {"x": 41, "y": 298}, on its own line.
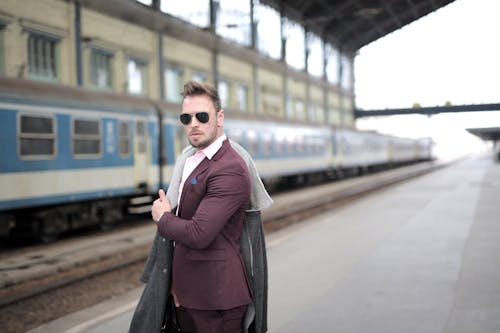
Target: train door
{"x": 140, "y": 155}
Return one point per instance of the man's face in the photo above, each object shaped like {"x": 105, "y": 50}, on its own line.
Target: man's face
{"x": 199, "y": 134}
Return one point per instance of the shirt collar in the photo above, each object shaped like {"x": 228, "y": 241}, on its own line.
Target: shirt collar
{"x": 214, "y": 147}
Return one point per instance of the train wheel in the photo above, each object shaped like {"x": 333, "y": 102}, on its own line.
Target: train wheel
{"x": 110, "y": 214}
{"x": 51, "y": 225}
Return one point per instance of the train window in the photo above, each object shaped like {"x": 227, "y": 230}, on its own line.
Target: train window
{"x": 136, "y": 81}
{"x": 124, "y": 138}
{"x": 235, "y": 134}
{"x": 42, "y": 57}
{"x": 37, "y": 137}
{"x": 251, "y": 142}
{"x": 100, "y": 68}
{"x": 280, "y": 145}
{"x": 140, "y": 130}
{"x": 267, "y": 143}
{"x": 86, "y": 137}
{"x": 174, "y": 78}
{"x": 320, "y": 144}
{"x": 291, "y": 145}
{"x": 243, "y": 97}
{"x": 299, "y": 144}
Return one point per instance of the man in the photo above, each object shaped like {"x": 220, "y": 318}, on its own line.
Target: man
{"x": 209, "y": 285}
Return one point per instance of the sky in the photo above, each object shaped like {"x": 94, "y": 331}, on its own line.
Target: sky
{"x": 451, "y": 55}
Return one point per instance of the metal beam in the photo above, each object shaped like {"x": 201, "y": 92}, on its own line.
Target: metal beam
{"x": 428, "y": 110}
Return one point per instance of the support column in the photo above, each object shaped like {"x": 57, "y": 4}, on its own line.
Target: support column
{"x": 78, "y": 44}
{"x": 215, "y": 52}
{"x": 326, "y": 86}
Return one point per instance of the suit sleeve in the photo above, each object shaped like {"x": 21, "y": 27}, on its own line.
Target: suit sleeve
{"x": 227, "y": 192}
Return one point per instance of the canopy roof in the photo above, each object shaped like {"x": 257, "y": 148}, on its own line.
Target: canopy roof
{"x": 486, "y": 133}
{"x": 352, "y": 24}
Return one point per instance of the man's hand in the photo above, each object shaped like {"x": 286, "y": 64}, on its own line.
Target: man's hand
{"x": 160, "y": 206}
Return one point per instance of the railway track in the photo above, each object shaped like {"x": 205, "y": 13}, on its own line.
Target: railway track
{"x": 38, "y": 276}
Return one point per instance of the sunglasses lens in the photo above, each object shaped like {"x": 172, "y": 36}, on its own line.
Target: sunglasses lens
{"x": 202, "y": 117}
{"x": 185, "y": 118}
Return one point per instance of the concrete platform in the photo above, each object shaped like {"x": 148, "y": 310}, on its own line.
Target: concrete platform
{"x": 420, "y": 256}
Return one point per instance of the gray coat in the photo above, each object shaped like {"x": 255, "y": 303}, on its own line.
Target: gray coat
{"x": 150, "y": 310}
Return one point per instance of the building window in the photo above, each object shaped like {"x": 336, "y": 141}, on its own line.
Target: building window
{"x": 196, "y": 12}
{"x": 223, "y": 88}
{"x": 315, "y": 60}
{"x": 2, "y": 49}
{"x": 42, "y": 57}
{"x": 300, "y": 110}
{"x": 174, "y": 77}
{"x": 200, "y": 76}
{"x": 295, "y": 45}
{"x": 124, "y": 138}
{"x": 318, "y": 113}
{"x": 136, "y": 72}
{"x": 100, "y": 69}
{"x": 86, "y": 137}
{"x": 242, "y": 97}
{"x": 289, "y": 107}
{"x": 37, "y": 136}
{"x": 233, "y": 21}
{"x": 271, "y": 101}
{"x": 346, "y": 72}
{"x": 332, "y": 66}
{"x": 268, "y": 30}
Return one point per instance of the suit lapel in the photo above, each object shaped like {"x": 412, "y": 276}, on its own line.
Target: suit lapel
{"x": 200, "y": 169}
{"x": 189, "y": 180}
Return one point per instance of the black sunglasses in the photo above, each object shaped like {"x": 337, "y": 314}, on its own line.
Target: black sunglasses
{"x": 201, "y": 116}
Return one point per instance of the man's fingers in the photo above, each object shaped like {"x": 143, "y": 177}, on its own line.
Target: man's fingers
{"x": 162, "y": 195}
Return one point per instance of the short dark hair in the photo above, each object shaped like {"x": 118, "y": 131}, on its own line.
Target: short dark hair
{"x": 194, "y": 88}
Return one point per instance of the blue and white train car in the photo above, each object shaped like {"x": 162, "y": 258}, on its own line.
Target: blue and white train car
{"x": 401, "y": 150}
{"x": 358, "y": 150}
{"x": 65, "y": 146}
{"x": 281, "y": 149}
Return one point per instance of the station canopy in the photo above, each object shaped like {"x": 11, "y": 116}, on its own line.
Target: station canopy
{"x": 486, "y": 133}
{"x": 352, "y": 24}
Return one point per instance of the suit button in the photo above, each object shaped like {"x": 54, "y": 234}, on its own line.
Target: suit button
{"x": 164, "y": 271}
{"x": 163, "y": 239}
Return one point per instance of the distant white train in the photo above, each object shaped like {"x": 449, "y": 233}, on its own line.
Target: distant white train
{"x": 71, "y": 157}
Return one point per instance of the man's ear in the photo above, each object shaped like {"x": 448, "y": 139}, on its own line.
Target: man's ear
{"x": 220, "y": 118}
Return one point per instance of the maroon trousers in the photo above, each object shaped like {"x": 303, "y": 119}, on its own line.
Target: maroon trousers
{"x": 210, "y": 321}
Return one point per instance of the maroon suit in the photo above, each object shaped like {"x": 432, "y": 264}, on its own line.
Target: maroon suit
{"x": 207, "y": 271}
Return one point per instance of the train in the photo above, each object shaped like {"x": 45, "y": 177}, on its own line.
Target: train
{"x": 72, "y": 157}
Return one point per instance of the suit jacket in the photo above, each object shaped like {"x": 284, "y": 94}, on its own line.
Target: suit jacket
{"x": 150, "y": 310}
{"x": 208, "y": 271}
